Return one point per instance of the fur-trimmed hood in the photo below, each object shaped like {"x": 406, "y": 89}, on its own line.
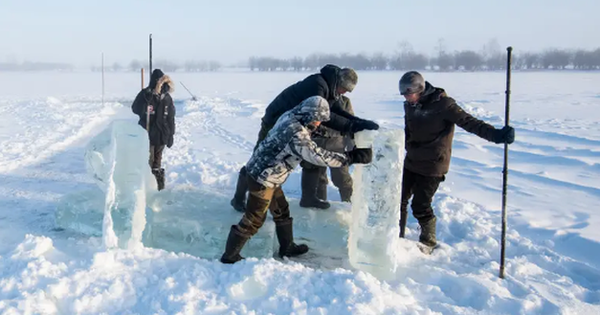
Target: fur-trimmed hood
{"x": 165, "y": 79}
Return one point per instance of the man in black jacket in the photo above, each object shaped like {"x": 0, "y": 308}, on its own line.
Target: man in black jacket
{"x": 156, "y": 102}
{"x": 429, "y": 119}
{"x": 331, "y": 82}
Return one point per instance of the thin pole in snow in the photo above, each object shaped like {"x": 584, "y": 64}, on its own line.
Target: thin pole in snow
{"x": 150, "y": 54}
{"x": 185, "y": 87}
{"x": 505, "y": 170}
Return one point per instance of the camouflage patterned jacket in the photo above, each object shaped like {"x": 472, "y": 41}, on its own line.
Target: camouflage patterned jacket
{"x": 289, "y": 142}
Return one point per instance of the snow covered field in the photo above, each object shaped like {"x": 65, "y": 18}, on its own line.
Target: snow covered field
{"x": 553, "y": 244}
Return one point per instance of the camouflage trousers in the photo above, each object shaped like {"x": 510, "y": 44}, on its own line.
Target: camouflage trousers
{"x": 261, "y": 199}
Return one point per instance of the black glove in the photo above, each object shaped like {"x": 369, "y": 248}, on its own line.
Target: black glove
{"x": 363, "y": 124}
{"x": 360, "y": 156}
{"x": 504, "y": 135}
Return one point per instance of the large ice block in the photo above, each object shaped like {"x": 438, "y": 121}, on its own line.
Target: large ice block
{"x": 197, "y": 222}
{"x": 117, "y": 158}
{"x": 324, "y": 231}
{"x": 82, "y": 212}
{"x": 374, "y": 230}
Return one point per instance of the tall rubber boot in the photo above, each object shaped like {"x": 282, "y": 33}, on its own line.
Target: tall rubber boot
{"x": 309, "y": 183}
{"x": 322, "y": 192}
{"x": 346, "y": 194}
{"x": 235, "y": 243}
{"x": 285, "y": 236}
{"x": 427, "y": 236}
{"x": 159, "y": 174}
{"x": 239, "y": 198}
{"x": 403, "y": 218}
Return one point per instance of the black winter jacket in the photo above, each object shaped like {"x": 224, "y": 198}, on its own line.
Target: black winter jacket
{"x": 162, "y": 116}
{"x": 323, "y": 84}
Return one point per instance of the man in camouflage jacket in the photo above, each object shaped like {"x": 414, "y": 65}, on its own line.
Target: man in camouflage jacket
{"x": 284, "y": 147}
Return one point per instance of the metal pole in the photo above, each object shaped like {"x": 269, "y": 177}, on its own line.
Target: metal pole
{"x": 185, "y": 87}
{"x": 505, "y": 170}
{"x": 150, "y": 51}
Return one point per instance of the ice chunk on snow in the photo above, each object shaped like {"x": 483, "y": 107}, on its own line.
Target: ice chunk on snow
{"x": 374, "y": 229}
{"x": 197, "y": 222}
{"x": 82, "y": 212}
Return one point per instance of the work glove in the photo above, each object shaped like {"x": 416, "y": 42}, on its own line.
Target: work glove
{"x": 504, "y": 135}
{"x": 360, "y": 156}
{"x": 362, "y": 124}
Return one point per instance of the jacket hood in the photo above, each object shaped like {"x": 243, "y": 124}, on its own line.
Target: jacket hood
{"x": 431, "y": 94}
{"x": 331, "y": 73}
{"x": 314, "y": 108}
{"x": 165, "y": 79}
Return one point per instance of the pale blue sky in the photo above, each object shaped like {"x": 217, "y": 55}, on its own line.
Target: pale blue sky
{"x": 77, "y": 31}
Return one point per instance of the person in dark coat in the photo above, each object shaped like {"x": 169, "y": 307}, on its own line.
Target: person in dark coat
{"x": 429, "y": 118}
{"x": 331, "y": 82}
{"x": 284, "y": 147}
{"x": 156, "y": 100}
{"x": 333, "y": 140}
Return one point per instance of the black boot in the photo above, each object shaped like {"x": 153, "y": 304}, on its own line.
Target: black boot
{"x": 403, "y": 218}
{"x": 427, "y": 236}
{"x": 285, "y": 236}
{"x": 239, "y": 199}
{"x": 159, "y": 174}
{"x": 322, "y": 192}
{"x": 346, "y": 194}
{"x": 309, "y": 183}
{"x": 235, "y": 243}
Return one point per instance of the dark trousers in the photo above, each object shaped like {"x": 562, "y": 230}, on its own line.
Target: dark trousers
{"x": 155, "y": 159}
{"x": 340, "y": 176}
{"x": 422, "y": 189}
{"x": 261, "y": 199}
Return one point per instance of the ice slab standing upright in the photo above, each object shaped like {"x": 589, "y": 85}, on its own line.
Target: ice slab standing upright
{"x": 117, "y": 158}
{"x": 374, "y": 230}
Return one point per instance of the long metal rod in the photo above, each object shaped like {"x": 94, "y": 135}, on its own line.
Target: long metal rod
{"x": 150, "y": 55}
{"x": 505, "y": 170}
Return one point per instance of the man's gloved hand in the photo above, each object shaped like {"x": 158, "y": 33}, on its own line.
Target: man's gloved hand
{"x": 504, "y": 135}
{"x": 360, "y": 156}
{"x": 362, "y": 124}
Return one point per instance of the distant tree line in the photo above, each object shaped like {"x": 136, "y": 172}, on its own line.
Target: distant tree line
{"x": 35, "y": 66}
{"x": 165, "y": 65}
{"x": 490, "y": 58}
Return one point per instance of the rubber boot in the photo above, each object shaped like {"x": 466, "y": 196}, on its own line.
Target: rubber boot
{"x": 403, "y": 218}
{"x": 285, "y": 236}
{"x": 235, "y": 243}
{"x": 239, "y": 198}
{"x": 427, "y": 236}
{"x": 346, "y": 194}
{"x": 159, "y": 174}
{"x": 322, "y": 192}
{"x": 309, "y": 183}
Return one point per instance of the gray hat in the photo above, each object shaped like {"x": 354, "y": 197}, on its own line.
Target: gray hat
{"x": 347, "y": 79}
{"x": 411, "y": 82}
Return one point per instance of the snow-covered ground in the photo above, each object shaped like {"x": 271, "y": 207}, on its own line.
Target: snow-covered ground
{"x": 553, "y": 244}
